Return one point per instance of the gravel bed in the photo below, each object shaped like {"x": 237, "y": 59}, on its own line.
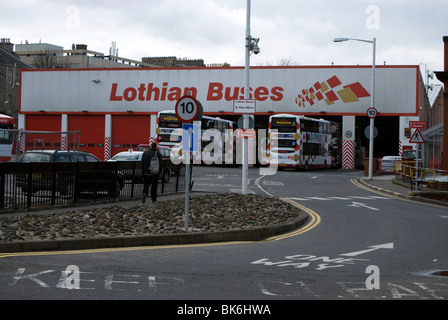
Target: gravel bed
{"x": 212, "y": 212}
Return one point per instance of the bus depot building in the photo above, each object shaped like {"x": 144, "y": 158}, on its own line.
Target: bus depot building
{"x": 116, "y": 109}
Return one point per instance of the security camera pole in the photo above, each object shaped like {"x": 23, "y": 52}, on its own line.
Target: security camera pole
{"x": 246, "y": 96}
{"x": 250, "y": 46}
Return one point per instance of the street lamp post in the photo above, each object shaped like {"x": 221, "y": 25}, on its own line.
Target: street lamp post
{"x": 372, "y": 99}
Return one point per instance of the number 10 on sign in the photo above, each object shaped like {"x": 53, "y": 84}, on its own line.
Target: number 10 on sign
{"x": 188, "y": 109}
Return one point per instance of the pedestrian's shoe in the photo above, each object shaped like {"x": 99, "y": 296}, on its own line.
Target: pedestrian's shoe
{"x": 144, "y": 197}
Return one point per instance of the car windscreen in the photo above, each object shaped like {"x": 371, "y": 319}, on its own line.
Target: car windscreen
{"x": 408, "y": 154}
{"x": 36, "y": 157}
{"x": 125, "y": 157}
{"x": 165, "y": 153}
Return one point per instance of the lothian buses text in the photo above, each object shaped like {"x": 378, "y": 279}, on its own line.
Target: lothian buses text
{"x": 216, "y": 92}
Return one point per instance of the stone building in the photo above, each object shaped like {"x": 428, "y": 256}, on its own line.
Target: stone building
{"x": 10, "y": 66}
{"x": 443, "y": 131}
{"x": 48, "y": 56}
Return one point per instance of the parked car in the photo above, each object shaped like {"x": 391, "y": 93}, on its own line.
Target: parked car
{"x": 408, "y": 155}
{"x": 127, "y": 156}
{"x": 132, "y": 155}
{"x": 104, "y": 180}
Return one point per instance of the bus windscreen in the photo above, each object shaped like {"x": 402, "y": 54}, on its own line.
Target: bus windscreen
{"x": 167, "y": 120}
{"x": 284, "y": 124}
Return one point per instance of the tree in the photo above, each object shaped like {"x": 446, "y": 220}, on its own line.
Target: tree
{"x": 49, "y": 60}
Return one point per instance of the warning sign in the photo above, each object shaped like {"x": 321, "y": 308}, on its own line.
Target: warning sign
{"x": 417, "y": 137}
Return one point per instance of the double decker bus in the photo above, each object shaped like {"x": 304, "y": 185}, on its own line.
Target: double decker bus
{"x": 169, "y": 128}
{"x": 299, "y": 142}
{"x": 169, "y": 133}
{"x": 6, "y": 137}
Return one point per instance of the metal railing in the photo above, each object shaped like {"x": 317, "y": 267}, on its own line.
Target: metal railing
{"x": 38, "y": 184}
{"x": 433, "y": 179}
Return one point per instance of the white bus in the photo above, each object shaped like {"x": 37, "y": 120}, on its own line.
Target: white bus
{"x": 169, "y": 133}
{"x": 169, "y": 128}
{"x": 299, "y": 142}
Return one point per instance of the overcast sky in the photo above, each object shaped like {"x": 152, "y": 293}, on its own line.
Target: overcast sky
{"x": 408, "y": 32}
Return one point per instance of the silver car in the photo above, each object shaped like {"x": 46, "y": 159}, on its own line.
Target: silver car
{"x": 132, "y": 155}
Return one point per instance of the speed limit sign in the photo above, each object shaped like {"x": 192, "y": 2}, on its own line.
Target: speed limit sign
{"x": 372, "y": 112}
{"x": 188, "y": 109}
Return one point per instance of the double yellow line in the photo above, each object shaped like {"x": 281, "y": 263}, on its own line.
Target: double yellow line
{"x": 314, "y": 221}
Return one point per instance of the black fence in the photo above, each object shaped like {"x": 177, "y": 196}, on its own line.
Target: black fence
{"x": 39, "y": 184}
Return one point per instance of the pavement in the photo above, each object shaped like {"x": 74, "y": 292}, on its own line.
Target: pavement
{"x": 382, "y": 183}
{"x": 387, "y": 184}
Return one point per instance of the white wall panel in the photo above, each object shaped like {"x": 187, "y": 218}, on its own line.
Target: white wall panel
{"x": 278, "y": 89}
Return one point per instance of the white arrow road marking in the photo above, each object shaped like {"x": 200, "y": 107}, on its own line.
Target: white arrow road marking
{"x": 359, "y": 205}
{"x": 372, "y": 248}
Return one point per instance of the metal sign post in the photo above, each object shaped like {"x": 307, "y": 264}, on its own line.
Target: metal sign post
{"x": 187, "y": 110}
{"x": 187, "y": 176}
{"x": 417, "y": 138}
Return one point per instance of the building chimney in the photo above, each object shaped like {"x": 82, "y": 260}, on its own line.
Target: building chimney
{"x": 81, "y": 47}
{"x": 6, "y": 45}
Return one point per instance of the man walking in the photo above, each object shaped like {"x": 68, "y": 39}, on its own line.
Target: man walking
{"x": 151, "y": 167}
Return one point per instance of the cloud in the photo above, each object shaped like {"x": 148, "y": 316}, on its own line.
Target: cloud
{"x": 408, "y": 32}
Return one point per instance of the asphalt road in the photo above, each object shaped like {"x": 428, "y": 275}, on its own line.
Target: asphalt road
{"x": 358, "y": 245}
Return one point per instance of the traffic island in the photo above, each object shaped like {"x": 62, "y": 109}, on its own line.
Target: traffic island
{"x": 213, "y": 218}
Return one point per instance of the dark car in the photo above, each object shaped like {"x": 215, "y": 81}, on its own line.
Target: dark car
{"x": 408, "y": 155}
{"x": 90, "y": 178}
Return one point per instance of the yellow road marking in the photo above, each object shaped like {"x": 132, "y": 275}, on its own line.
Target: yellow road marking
{"x": 360, "y": 185}
{"x": 315, "y": 220}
